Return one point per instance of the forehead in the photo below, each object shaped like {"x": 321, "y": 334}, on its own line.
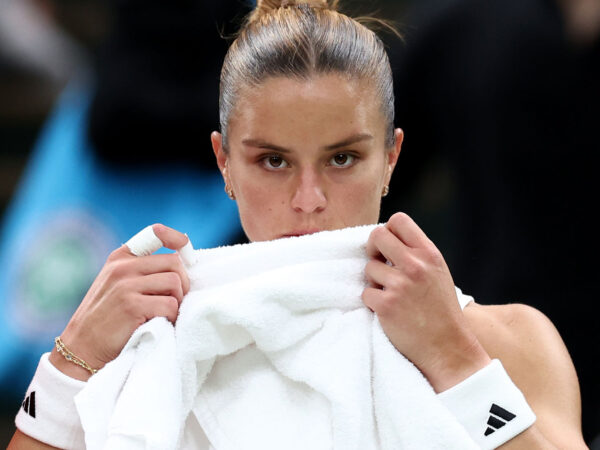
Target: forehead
{"x": 328, "y": 106}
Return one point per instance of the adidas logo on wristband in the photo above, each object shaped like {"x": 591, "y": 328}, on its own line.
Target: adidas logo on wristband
{"x": 469, "y": 401}
{"x": 29, "y": 404}
{"x": 48, "y": 412}
{"x": 495, "y": 421}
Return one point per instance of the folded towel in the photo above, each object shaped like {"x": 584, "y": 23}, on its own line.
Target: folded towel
{"x": 273, "y": 348}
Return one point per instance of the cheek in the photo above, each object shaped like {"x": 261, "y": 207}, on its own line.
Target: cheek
{"x": 359, "y": 202}
{"x": 367, "y": 195}
{"x": 258, "y": 205}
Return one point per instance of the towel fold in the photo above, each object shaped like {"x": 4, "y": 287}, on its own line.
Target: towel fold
{"x": 273, "y": 348}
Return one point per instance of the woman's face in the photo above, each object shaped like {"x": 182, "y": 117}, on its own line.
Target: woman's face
{"x": 306, "y": 156}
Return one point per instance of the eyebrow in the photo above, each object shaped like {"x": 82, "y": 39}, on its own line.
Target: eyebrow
{"x": 350, "y": 140}
{"x": 359, "y": 137}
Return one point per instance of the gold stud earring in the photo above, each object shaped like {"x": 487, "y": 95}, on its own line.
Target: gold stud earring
{"x": 228, "y": 188}
{"x": 229, "y": 191}
{"x": 386, "y": 191}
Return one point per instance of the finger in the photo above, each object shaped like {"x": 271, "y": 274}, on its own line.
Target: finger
{"x": 160, "y": 306}
{"x": 150, "y": 239}
{"x": 144, "y": 242}
{"x": 164, "y": 263}
{"x": 371, "y": 297}
{"x": 122, "y": 252}
{"x": 372, "y": 250}
{"x": 405, "y": 229}
{"x": 384, "y": 245}
{"x": 165, "y": 283}
{"x": 170, "y": 238}
{"x": 379, "y": 273}
{"x": 380, "y": 302}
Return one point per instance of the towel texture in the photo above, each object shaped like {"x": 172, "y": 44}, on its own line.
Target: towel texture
{"x": 273, "y": 348}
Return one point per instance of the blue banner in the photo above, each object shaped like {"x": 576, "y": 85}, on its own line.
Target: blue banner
{"x": 69, "y": 213}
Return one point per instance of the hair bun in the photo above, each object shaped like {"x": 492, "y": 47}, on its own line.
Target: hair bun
{"x": 264, "y": 7}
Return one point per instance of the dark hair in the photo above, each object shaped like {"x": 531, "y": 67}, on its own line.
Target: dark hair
{"x": 302, "y": 39}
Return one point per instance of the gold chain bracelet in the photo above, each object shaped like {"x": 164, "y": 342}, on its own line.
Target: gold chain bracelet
{"x": 69, "y": 356}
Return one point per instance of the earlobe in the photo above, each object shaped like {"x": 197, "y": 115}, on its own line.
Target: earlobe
{"x": 216, "y": 139}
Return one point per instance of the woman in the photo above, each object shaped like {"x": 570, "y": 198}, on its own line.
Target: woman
{"x": 307, "y": 144}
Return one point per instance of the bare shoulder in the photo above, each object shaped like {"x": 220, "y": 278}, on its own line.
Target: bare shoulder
{"x": 506, "y": 329}
{"x": 535, "y": 357}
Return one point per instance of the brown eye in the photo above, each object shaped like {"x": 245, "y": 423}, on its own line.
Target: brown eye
{"x": 342, "y": 160}
{"x": 274, "y": 162}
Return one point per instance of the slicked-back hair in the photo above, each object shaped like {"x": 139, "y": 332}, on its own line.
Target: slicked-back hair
{"x": 302, "y": 40}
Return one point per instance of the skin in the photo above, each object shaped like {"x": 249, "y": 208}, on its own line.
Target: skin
{"x": 582, "y": 20}
{"x": 305, "y": 156}
{"x": 310, "y": 190}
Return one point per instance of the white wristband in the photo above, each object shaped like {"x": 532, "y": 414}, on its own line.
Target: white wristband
{"x": 489, "y": 406}
{"x": 48, "y": 412}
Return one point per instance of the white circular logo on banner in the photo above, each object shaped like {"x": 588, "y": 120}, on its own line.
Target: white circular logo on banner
{"x": 52, "y": 274}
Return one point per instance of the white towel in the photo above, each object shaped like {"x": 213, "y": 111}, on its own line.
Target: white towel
{"x": 273, "y": 348}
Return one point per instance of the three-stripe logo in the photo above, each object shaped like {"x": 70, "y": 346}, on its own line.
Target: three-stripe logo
{"x": 29, "y": 404}
{"x": 498, "y": 418}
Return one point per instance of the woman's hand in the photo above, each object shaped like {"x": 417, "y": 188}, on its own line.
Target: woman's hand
{"x": 412, "y": 293}
{"x": 128, "y": 291}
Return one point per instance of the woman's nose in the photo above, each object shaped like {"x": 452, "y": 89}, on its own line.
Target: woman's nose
{"x": 309, "y": 195}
